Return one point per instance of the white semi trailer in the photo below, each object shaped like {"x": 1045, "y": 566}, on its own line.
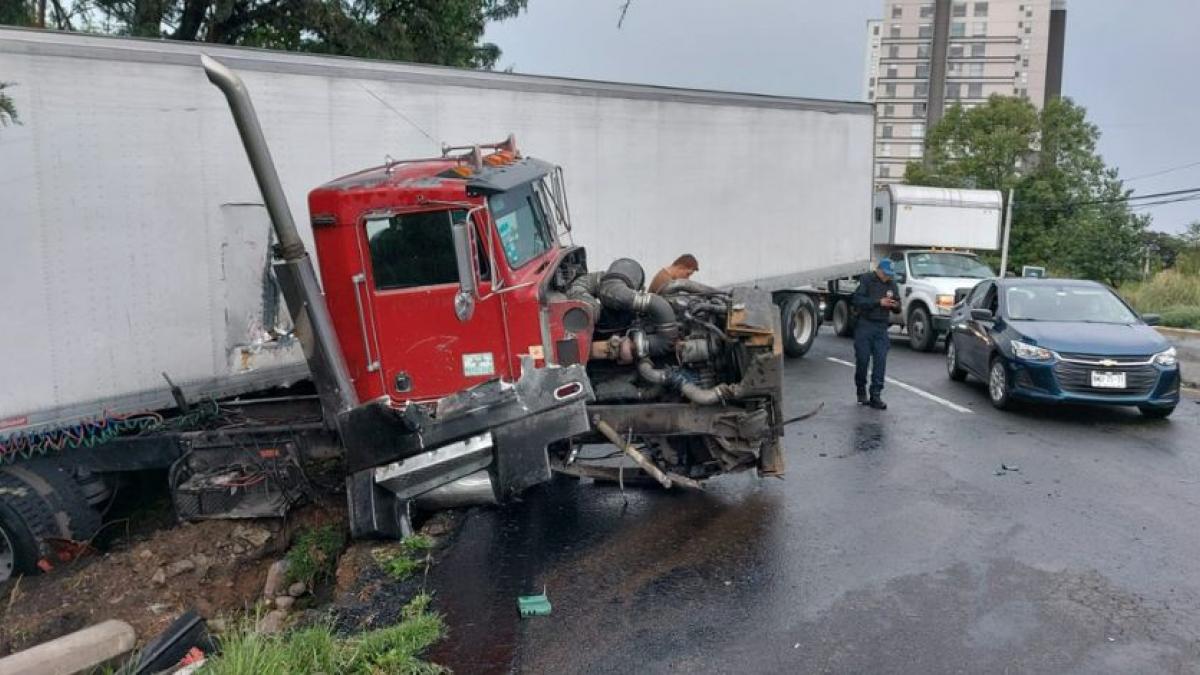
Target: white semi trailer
{"x": 931, "y": 235}
{"x": 136, "y": 264}
{"x": 136, "y": 243}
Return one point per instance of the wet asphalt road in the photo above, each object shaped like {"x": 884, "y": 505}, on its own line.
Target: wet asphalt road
{"x": 891, "y": 547}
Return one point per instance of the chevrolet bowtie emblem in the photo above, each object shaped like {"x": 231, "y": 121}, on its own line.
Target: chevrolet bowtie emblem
{"x": 1108, "y": 362}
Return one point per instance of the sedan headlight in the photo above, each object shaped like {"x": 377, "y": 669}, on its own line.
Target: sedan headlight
{"x": 1166, "y": 357}
{"x": 945, "y": 302}
{"x": 1024, "y": 350}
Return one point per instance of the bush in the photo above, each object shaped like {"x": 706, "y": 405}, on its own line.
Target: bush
{"x": 395, "y": 649}
{"x": 1181, "y": 317}
{"x": 314, "y": 554}
{"x": 1169, "y": 290}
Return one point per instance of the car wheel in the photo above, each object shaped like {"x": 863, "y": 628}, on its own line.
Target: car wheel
{"x": 921, "y": 335}
{"x": 999, "y": 390}
{"x": 1156, "y": 412}
{"x": 954, "y": 370}
{"x": 799, "y": 316}
{"x": 843, "y": 322}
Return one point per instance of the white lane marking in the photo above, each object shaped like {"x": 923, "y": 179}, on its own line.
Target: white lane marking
{"x": 919, "y": 392}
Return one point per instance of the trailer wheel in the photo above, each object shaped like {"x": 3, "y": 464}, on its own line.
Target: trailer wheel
{"x": 799, "y": 319}
{"x": 843, "y": 322}
{"x": 39, "y": 501}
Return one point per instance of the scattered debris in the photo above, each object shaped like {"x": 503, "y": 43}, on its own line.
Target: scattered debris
{"x": 186, "y": 639}
{"x": 297, "y": 589}
{"x": 534, "y": 605}
{"x": 1010, "y": 467}
{"x": 284, "y": 602}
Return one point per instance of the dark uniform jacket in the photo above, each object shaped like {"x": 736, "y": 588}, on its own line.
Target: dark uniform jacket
{"x": 870, "y": 290}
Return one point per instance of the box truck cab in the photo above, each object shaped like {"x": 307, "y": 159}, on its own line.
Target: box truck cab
{"x": 928, "y": 280}
{"x": 932, "y": 236}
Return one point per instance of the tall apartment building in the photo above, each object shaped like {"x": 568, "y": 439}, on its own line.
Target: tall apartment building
{"x": 927, "y": 55}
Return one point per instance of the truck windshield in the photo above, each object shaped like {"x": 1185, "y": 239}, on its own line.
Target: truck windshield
{"x": 959, "y": 265}
{"x": 1046, "y": 302}
{"x": 521, "y": 223}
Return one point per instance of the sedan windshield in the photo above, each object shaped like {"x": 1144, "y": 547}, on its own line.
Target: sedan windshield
{"x": 960, "y": 265}
{"x": 1047, "y": 302}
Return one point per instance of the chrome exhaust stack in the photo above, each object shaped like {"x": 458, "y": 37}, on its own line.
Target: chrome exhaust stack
{"x": 297, "y": 277}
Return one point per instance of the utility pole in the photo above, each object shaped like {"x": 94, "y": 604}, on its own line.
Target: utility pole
{"x": 1007, "y": 231}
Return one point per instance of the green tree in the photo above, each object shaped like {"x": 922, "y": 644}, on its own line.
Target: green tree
{"x": 1069, "y": 212}
{"x": 446, "y": 32}
{"x": 1190, "y": 237}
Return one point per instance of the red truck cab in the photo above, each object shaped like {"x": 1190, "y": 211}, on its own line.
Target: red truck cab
{"x": 437, "y": 272}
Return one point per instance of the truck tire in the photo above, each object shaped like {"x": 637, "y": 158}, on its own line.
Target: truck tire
{"x": 921, "y": 334}
{"x": 39, "y": 501}
{"x": 799, "y": 321}
{"x": 843, "y": 320}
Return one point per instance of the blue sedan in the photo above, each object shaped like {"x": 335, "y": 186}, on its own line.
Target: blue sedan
{"x": 1061, "y": 341}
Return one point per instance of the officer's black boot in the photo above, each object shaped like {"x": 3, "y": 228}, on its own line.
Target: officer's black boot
{"x": 862, "y": 396}
{"x": 877, "y": 403}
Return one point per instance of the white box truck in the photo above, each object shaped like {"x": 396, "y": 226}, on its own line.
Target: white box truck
{"x": 931, "y": 235}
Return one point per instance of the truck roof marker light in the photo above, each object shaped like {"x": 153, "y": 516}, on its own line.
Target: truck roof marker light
{"x": 463, "y": 170}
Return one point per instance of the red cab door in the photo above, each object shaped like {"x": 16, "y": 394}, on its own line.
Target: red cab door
{"x": 417, "y": 344}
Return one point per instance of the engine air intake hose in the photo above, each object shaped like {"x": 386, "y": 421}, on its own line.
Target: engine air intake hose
{"x": 617, "y": 293}
{"x": 673, "y": 378}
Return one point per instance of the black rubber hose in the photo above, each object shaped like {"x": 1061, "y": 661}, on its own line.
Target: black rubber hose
{"x": 689, "y": 286}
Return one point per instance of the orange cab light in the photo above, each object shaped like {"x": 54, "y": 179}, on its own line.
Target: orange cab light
{"x": 461, "y": 170}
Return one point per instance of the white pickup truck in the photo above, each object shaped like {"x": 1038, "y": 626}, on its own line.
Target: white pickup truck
{"x": 930, "y": 235}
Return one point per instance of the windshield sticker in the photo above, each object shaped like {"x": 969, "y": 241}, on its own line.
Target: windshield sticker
{"x": 507, "y": 225}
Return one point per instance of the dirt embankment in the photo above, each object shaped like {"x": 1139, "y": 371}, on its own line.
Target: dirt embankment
{"x": 215, "y": 567}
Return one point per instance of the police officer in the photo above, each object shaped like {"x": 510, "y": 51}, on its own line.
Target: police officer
{"x": 876, "y": 297}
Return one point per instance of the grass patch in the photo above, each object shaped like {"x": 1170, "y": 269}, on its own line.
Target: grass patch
{"x": 314, "y": 554}
{"x": 402, "y": 562}
{"x": 1172, "y": 293}
{"x": 395, "y": 649}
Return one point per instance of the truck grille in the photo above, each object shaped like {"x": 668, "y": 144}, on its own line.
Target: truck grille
{"x": 1077, "y": 377}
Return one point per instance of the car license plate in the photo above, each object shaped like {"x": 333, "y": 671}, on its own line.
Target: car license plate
{"x": 1103, "y": 380}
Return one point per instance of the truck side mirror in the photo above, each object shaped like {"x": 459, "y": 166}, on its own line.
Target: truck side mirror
{"x": 464, "y": 300}
{"x": 982, "y": 315}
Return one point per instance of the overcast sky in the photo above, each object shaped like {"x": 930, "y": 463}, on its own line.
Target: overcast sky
{"x": 1132, "y": 64}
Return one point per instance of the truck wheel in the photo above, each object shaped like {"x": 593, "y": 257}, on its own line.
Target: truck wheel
{"x": 39, "y": 501}
{"x": 843, "y": 322}
{"x": 799, "y": 320}
{"x": 921, "y": 334}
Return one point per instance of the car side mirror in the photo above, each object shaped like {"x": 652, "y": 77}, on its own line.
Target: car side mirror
{"x": 464, "y": 300}
{"x": 982, "y": 315}
{"x": 1151, "y": 319}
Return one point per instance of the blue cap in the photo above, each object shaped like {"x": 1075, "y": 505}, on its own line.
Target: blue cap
{"x": 885, "y": 266}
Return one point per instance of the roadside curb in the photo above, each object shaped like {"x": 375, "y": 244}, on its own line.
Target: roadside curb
{"x": 1187, "y": 346}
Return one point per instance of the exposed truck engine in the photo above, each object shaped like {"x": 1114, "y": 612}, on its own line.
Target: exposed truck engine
{"x": 654, "y": 357}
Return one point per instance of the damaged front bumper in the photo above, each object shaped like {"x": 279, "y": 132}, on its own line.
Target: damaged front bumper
{"x": 483, "y": 444}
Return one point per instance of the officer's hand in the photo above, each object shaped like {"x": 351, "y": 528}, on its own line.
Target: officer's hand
{"x": 887, "y": 302}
